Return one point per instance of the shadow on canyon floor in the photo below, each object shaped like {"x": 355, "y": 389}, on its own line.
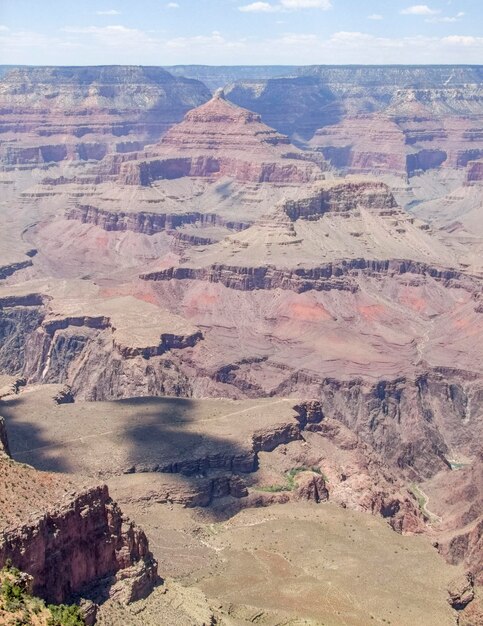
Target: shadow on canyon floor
{"x": 27, "y": 437}
{"x": 191, "y": 441}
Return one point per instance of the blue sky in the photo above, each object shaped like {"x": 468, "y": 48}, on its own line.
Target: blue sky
{"x": 219, "y": 32}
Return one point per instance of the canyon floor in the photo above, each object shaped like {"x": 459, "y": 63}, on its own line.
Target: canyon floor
{"x": 280, "y": 561}
{"x": 304, "y": 564}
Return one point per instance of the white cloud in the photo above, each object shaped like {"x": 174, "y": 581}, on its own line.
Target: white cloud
{"x": 463, "y": 40}
{"x": 118, "y": 44}
{"x": 375, "y": 16}
{"x": 258, "y": 7}
{"x": 297, "y": 39}
{"x": 172, "y": 5}
{"x": 446, "y": 19}
{"x": 215, "y": 41}
{"x": 285, "y": 5}
{"x": 109, "y": 12}
{"x": 114, "y": 36}
{"x": 3, "y": 28}
{"x": 419, "y": 9}
{"x": 306, "y": 4}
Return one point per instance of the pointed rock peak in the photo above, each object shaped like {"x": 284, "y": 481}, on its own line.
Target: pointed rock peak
{"x": 220, "y": 94}
{"x": 220, "y": 110}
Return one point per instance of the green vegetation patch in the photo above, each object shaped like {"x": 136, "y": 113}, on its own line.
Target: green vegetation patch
{"x": 290, "y": 480}
{"x": 19, "y": 608}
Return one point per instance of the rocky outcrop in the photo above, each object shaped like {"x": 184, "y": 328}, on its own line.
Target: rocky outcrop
{"x": 8, "y": 270}
{"x": 146, "y": 172}
{"x": 474, "y": 172}
{"x": 408, "y": 145}
{"x": 249, "y": 278}
{"x": 215, "y": 140}
{"x": 461, "y": 591}
{"x": 147, "y": 223}
{"x": 64, "y": 395}
{"x": 4, "y": 449}
{"x": 467, "y": 548}
{"x": 324, "y": 278}
{"x": 38, "y": 155}
{"x": 69, "y": 537}
{"x": 410, "y": 423}
{"x": 51, "y": 114}
{"x": 307, "y": 98}
{"x": 167, "y": 340}
{"x": 197, "y": 492}
{"x": 83, "y": 542}
{"x": 310, "y": 487}
{"x": 402, "y": 120}
{"x": 344, "y": 197}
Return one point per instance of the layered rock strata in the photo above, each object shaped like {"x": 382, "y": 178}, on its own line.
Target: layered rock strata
{"x": 379, "y": 119}
{"x": 214, "y": 141}
{"x": 70, "y": 537}
{"x": 474, "y": 172}
{"x": 52, "y": 114}
{"x": 147, "y": 223}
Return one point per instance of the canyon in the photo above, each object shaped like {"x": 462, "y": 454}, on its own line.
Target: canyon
{"x": 248, "y": 314}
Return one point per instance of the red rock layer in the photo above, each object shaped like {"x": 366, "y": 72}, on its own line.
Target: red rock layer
{"x": 383, "y": 143}
{"x": 70, "y": 537}
{"x": 220, "y": 139}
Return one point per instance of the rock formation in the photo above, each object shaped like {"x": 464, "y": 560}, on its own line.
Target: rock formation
{"x": 474, "y": 172}
{"x": 214, "y": 140}
{"x": 4, "y": 450}
{"x": 221, "y": 261}
{"x": 71, "y": 538}
{"x": 99, "y": 109}
{"x": 379, "y": 119}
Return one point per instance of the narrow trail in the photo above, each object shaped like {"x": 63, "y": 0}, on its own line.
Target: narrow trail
{"x": 432, "y": 516}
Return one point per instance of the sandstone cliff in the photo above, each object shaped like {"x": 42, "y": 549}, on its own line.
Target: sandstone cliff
{"x": 474, "y": 172}
{"x": 71, "y": 538}
{"x": 214, "y": 140}
{"x": 50, "y": 114}
{"x": 378, "y": 119}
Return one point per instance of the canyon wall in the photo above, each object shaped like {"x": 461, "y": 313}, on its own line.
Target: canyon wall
{"x": 50, "y": 114}
{"x": 413, "y": 422}
{"x": 403, "y": 120}
{"x": 71, "y": 538}
{"x": 85, "y": 542}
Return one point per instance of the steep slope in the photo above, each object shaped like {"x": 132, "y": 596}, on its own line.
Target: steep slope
{"x": 54, "y": 113}
{"x": 215, "y": 140}
{"x": 189, "y": 468}
{"x": 398, "y": 119}
{"x": 224, "y": 262}
{"x": 70, "y": 537}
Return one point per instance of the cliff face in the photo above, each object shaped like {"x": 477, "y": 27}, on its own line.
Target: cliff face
{"x": 408, "y": 144}
{"x": 214, "y": 140}
{"x": 474, "y": 172}
{"x": 378, "y": 119}
{"x": 70, "y": 538}
{"x": 147, "y": 223}
{"x": 3, "y": 438}
{"x": 324, "y": 278}
{"x": 51, "y": 114}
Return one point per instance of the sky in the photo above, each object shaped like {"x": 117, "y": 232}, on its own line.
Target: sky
{"x": 240, "y": 32}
